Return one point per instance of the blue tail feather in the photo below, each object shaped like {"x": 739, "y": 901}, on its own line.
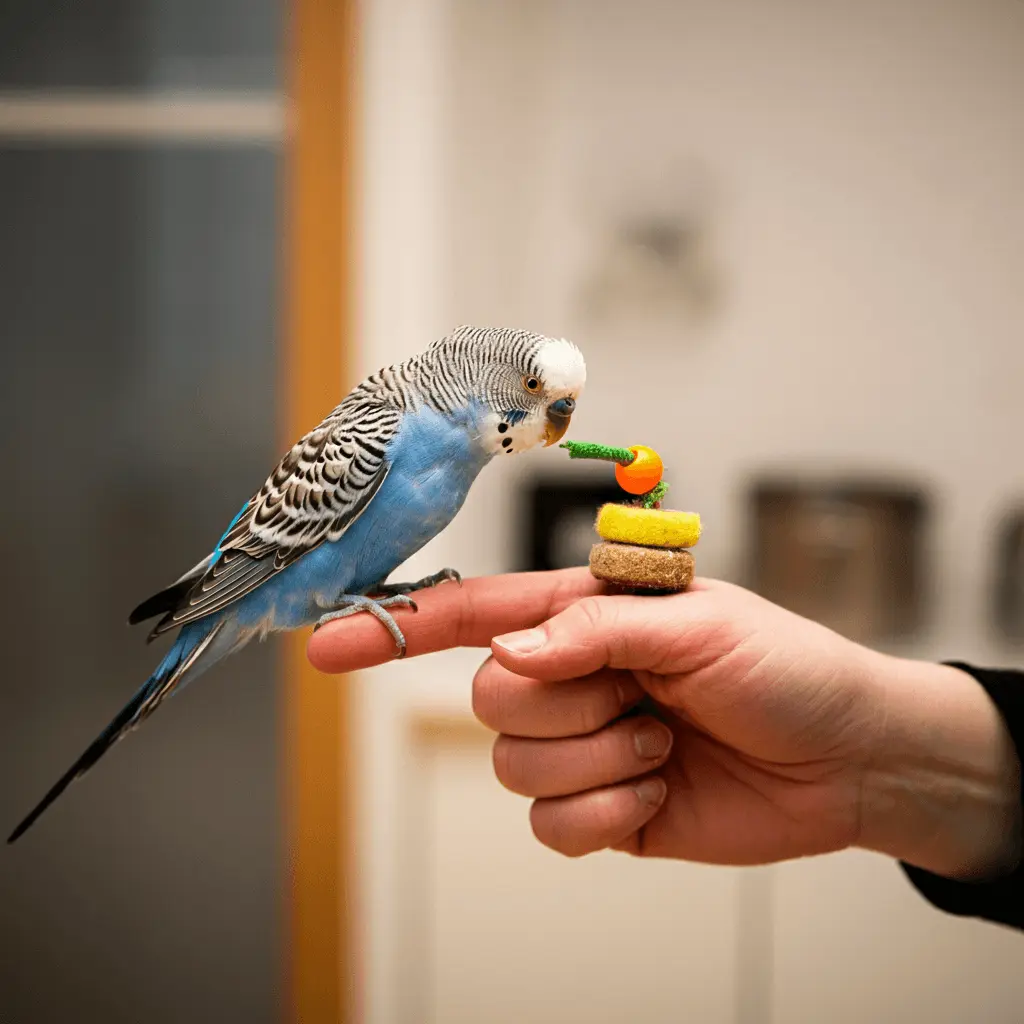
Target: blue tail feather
{"x": 167, "y": 677}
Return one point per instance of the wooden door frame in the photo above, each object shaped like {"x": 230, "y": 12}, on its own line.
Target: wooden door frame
{"x": 318, "y": 270}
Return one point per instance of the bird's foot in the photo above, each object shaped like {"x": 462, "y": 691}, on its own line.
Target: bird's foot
{"x": 352, "y": 604}
{"x": 387, "y": 590}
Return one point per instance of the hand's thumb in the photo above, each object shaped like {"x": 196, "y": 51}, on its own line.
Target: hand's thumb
{"x": 595, "y": 632}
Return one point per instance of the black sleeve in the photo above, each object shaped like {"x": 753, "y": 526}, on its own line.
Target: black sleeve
{"x": 999, "y": 899}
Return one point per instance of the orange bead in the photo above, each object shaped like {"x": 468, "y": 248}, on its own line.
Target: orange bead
{"x": 643, "y": 473}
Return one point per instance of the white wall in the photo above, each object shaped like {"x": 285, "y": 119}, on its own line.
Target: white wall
{"x": 868, "y": 159}
{"x": 867, "y": 162}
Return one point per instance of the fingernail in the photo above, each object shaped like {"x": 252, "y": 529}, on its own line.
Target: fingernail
{"x": 629, "y": 693}
{"x": 652, "y": 741}
{"x": 651, "y": 792}
{"x": 526, "y": 642}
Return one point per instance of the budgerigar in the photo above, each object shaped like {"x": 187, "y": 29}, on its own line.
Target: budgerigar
{"x": 384, "y": 472}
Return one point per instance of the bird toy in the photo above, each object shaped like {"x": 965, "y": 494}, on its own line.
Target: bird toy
{"x": 643, "y": 547}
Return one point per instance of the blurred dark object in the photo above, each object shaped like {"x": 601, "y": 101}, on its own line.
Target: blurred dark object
{"x": 655, "y": 269}
{"x": 559, "y": 522}
{"x": 1009, "y": 574}
{"x": 846, "y": 554}
{"x": 139, "y": 293}
{"x": 140, "y": 44}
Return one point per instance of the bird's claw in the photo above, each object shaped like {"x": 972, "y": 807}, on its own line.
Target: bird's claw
{"x": 447, "y": 575}
{"x": 387, "y": 595}
{"x": 353, "y": 604}
{"x": 387, "y": 590}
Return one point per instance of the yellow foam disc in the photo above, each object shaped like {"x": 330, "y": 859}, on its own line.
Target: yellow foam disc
{"x": 649, "y": 527}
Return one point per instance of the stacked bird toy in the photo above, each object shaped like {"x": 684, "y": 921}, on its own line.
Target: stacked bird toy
{"x": 644, "y": 548}
{"x": 381, "y": 475}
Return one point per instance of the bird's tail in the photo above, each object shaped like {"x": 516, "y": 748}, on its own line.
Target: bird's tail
{"x": 180, "y": 660}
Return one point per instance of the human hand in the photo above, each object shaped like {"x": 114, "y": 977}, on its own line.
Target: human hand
{"x": 751, "y": 734}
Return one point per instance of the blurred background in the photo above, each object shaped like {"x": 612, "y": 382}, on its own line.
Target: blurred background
{"x": 788, "y": 237}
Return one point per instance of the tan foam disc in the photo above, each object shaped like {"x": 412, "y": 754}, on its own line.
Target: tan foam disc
{"x": 629, "y": 565}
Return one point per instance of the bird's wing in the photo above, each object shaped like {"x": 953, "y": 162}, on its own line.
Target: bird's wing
{"x": 316, "y": 492}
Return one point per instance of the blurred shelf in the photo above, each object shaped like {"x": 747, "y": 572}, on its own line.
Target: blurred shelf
{"x": 228, "y": 117}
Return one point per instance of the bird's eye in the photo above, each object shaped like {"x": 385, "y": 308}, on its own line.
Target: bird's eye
{"x": 531, "y": 384}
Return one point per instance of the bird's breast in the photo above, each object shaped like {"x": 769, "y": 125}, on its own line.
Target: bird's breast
{"x": 433, "y": 463}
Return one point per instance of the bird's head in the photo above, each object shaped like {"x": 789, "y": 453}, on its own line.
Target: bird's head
{"x": 529, "y": 385}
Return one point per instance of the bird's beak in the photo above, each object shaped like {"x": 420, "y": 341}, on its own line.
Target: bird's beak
{"x": 559, "y": 416}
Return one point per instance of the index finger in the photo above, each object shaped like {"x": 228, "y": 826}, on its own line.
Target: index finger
{"x": 452, "y": 616}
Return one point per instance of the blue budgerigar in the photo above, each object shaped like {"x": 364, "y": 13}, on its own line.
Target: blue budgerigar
{"x": 384, "y": 472}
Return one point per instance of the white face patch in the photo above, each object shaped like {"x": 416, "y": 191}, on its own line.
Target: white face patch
{"x": 563, "y": 373}
{"x": 499, "y": 436}
{"x": 562, "y": 367}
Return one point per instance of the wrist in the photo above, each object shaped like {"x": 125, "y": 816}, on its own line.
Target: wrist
{"x": 941, "y": 790}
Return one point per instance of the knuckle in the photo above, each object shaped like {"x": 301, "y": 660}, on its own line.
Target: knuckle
{"x": 551, "y": 828}
{"x": 464, "y": 618}
{"x": 508, "y": 762}
{"x": 564, "y": 594}
{"x": 605, "y": 811}
{"x": 579, "y": 825}
{"x": 595, "y": 622}
{"x": 485, "y": 695}
{"x": 588, "y": 716}
{"x": 595, "y": 753}
{"x": 591, "y": 612}
{"x": 588, "y": 704}
{"x": 598, "y": 706}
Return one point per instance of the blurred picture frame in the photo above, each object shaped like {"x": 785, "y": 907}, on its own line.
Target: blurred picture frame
{"x": 1008, "y": 573}
{"x": 847, "y": 553}
{"x": 557, "y": 521}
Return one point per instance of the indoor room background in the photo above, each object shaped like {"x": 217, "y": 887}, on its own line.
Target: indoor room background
{"x": 788, "y": 238}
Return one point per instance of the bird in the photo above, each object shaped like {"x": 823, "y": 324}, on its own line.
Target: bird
{"x": 382, "y": 474}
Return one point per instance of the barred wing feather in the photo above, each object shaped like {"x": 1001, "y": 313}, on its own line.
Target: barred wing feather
{"x": 315, "y": 493}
